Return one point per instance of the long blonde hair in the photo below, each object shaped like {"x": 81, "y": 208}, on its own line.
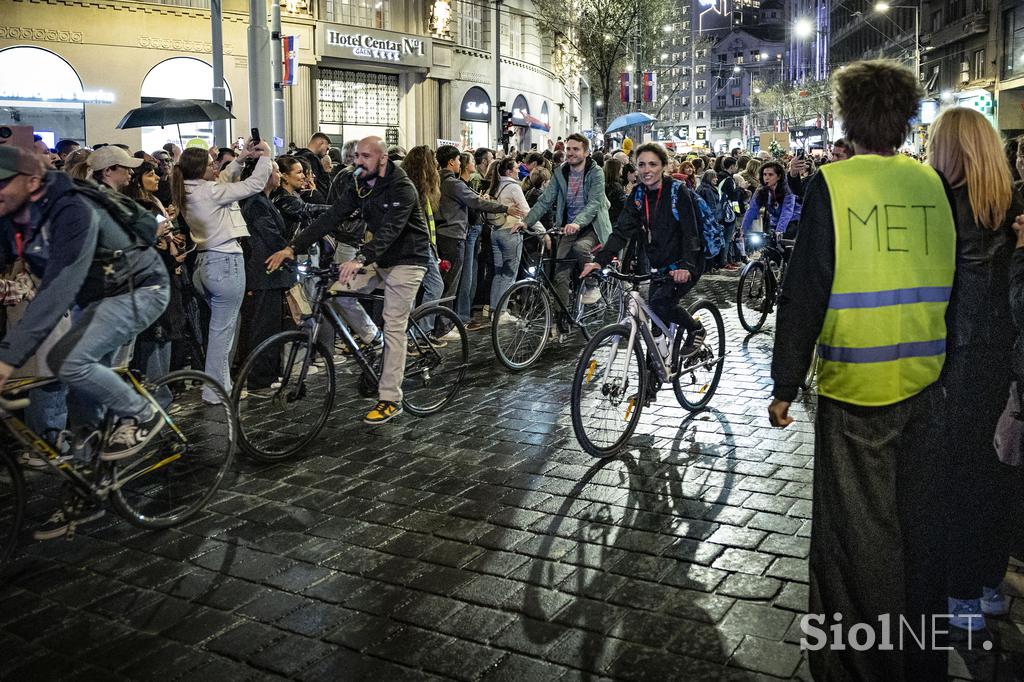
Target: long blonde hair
{"x": 965, "y": 148}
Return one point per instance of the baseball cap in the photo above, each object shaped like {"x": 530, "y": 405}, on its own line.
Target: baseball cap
{"x": 108, "y": 156}
{"x": 17, "y": 161}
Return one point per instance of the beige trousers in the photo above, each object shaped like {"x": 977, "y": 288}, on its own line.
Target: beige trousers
{"x": 400, "y": 283}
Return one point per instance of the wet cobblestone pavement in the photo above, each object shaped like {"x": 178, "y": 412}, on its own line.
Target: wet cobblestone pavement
{"x": 480, "y": 543}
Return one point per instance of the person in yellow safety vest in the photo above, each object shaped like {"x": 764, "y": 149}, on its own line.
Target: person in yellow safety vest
{"x": 869, "y": 283}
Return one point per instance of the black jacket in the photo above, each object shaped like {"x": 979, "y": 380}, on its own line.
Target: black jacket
{"x": 616, "y": 194}
{"x": 668, "y": 241}
{"x": 267, "y": 232}
{"x": 297, "y": 214}
{"x": 391, "y": 209}
{"x": 979, "y": 308}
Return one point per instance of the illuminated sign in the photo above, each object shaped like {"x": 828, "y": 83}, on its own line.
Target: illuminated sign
{"x": 64, "y": 96}
{"x": 476, "y": 106}
{"x": 377, "y": 46}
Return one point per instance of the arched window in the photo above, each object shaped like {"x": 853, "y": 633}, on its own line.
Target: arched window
{"x": 41, "y": 89}
{"x": 179, "y": 78}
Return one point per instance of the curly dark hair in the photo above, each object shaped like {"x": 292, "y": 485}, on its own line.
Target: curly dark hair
{"x": 781, "y": 187}
{"x": 876, "y": 100}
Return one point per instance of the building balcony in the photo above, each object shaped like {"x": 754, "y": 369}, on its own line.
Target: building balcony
{"x": 961, "y": 29}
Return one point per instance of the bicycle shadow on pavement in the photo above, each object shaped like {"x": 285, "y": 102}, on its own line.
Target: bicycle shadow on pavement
{"x": 641, "y": 599}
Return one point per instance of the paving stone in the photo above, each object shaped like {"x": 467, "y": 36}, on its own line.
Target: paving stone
{"x": 744, "y": 561}
{"x": 746, "y": 586}
{"x": 763, "y": 655}
{"x": 748, "y": 618}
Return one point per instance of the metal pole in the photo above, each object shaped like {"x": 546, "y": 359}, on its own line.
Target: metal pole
{"x": 277, "y": 72}
{"x": 261, "y": 108}
{"x": 498, "y": 108}
{"x": 917, "y": 40}
{"x": 220, "y": 128}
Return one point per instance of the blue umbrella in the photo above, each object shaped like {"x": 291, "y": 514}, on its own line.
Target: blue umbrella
{"x": 630, "y": 119}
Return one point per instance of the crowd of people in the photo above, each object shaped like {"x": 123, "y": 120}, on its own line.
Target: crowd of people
{"x": 907, "y": 278}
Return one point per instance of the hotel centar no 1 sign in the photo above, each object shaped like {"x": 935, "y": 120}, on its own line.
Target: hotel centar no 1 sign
{"x": 375, "y": 46}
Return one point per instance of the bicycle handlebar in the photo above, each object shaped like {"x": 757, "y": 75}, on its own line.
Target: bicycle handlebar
{"x": 633, "y": 279}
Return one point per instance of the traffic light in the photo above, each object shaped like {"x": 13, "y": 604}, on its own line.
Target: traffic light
{"x": 506, "y": 127}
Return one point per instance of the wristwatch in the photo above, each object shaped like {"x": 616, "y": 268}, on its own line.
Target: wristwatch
{"x": 360, "y": 258}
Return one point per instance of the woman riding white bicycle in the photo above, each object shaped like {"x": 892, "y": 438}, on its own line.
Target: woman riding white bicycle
{"x": 662, "y": 214}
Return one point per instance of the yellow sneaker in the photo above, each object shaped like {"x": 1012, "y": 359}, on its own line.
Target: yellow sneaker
{"x": 383, "y": 411}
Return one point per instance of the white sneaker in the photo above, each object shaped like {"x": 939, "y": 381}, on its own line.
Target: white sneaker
{"x": 452, "y": 335}
{"x": 591, "y": 295}
{"x": 506, "y": 317}
{"x": 486, "y": 312}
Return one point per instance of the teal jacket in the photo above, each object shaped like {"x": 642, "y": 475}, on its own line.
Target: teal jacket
{"x": 595, "y": 211}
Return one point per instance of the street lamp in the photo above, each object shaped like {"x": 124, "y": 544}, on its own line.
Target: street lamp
{"x": 803, "y": 28}
{"x": 883, "y": 7}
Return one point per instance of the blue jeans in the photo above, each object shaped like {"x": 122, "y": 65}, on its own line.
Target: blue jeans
{"x": 81, "y": 359}
{"x": 220, "y": 279}
{"x": 47, "y": 412}
{"x": 467, "y": 285}
{"x": 433, "y": 289}
{"x": 154, "y": 359}
{"x": 507, "y": 249}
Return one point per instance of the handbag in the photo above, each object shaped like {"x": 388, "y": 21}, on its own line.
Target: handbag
{"x": 497, "y": 220}
{"x": 1009, "y": 436}
{"x": 298, "y": 303}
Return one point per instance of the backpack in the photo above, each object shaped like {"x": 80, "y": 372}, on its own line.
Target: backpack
{"x": 725, "y": 213}
{"x": 711, "y": 231}
{"x": 133, "y": 218}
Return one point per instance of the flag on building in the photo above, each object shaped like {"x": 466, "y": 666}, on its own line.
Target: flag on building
{"x": 650, "y": 86}
{"x": 625, "y": 87}
{"x": 290, "y": 59}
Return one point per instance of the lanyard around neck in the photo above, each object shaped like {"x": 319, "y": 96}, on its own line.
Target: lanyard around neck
{"x": 647, "y": 208}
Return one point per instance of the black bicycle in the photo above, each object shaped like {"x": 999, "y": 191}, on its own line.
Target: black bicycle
{"x": 522, "y": 323}
{"x": 761, "y": 279}
{"x": 291, "y": 382}
{"x": 167, "y": 483}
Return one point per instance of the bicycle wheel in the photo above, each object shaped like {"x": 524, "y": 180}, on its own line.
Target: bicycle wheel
{"x": 605, "y": 310}
{"x": 521, "y": 324}
{"x": 12, "y": 504}
{"x": 608, "y": 391}
{"x": 180, "y": 469}
{"x": 291, "y": 388}
{"x": 433, "y": 373}
{"x": 752, "y": 296}
{"x": 695, "y": 382}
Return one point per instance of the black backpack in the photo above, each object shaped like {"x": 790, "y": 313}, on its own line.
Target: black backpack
{"x": 133, "y": 218}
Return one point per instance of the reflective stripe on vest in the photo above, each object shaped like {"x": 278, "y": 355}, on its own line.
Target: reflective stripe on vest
{"x": 884, "y": 337}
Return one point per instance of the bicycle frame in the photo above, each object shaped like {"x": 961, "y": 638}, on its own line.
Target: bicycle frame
{"x": 540, "y": 275}
{"x": 638, "y": 315}
{"x": 99, "y": 488}
{"x": 320, "y": 309}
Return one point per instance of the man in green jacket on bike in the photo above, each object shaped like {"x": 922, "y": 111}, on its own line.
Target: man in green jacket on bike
{"x": 577, "y": 192}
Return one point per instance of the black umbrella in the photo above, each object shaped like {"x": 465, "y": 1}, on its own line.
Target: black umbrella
{"x": 174, "y": 112}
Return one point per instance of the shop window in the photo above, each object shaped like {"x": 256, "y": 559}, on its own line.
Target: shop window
{"x": 358, "y": 97}
{"x": 179, "y": 78}
{"x": 366, "y": 13}
{"x": 40, "y": 89}
{"x": 471, "y": 31}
